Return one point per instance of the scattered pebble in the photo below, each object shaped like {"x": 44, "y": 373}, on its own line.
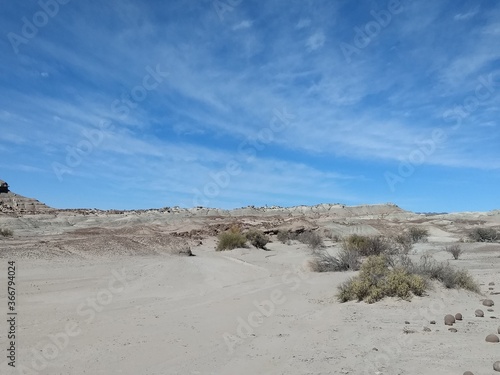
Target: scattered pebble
{"x": 492, "y": 283}
{"x": 488, "y": 302}
{"x": 427, "y": 329}
{"x": 458, "y": 316}
{"x": 492, "y": 338}
{"x": 453, "y": 330}
{"x": 449, "y": 320}
{"x": 433, "y": 322}
{"x": 468, "y": 373}
{"x": 479, "y": 313}
{"x": 496, "y": 366}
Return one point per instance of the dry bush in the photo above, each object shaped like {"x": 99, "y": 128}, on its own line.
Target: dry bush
{"x": 4, "y": 232}
{"x": 450, "y": 277}
{"x": 324, "y": 262}
{"x": 257, "y": 238}
{"x": 377, "y": 280}
{"x": 366, "y": 245}
{"x": 231, "y": 239}
{"x": 179, "y": 246}
{"x": 285, "y": 236}
{"x": 418, "y": 234}
{"x": 455, "y": 250}
{"x": 312, "y": 239}
{"x": 483, "y": 235}
{"x": 403, "y": 243}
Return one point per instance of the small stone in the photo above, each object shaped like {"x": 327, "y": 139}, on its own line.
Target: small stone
{"x": 427, "y": 329}
{"x": 488, "y": 302}
{"x": 407, "y": 322}
{"x": 496, "y": 366}
{"x": 458, "y": 316}
{"x": 433, "y": 322}
{"x": 491, "y": 288}
{"x": 449, "y": 320}
{"x": 375, "y": 349}
{"x": 498, "y": 330}
{"x": 492, "y": 283}
{"x": 492, "y": 338}
{"x": 490, "y": 310}
{"x": 468, "y": 373}
{"x": 479, "y": 313}
{"x": 452, "y": 330}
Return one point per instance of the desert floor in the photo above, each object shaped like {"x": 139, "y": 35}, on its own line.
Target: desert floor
{"x": 245, "y": 311}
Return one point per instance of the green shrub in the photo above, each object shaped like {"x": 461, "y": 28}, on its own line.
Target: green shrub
{"x": 231, "y": 239}
{"x": 483, "y": 235}
{"x": 455, "y": 250}
{"x": 6, "y": 232}
{"x": 312, "y": 239}
{"x": 403, "y": 242}
{"x": 257, "y": 238}
{"x": 346, "y": 260}
{"x": 418, "y": 234}
{"x": 365, "y": 245}
{"x": 376, "y": 281}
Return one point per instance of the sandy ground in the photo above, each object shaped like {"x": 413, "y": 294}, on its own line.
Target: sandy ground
{"x": 245, "y": 311}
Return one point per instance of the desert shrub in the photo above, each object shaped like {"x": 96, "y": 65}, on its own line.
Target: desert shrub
{"x": 377, "y": 280}
{"x": 443, "y": 272}
{"x": 483, "y": 235}
{"x": 4, "y": 232}
{"x": 346, "y": 260}
{"x": 285, "y": 236}
{"x": 417, "y": 234}
{"x": 257, "y": 238}
{"x": 312, "y": 239}
{"x": 365, "y": 245}
{"x": 179, "y": 246}
{"x": 231, "y": 239}
{"x": 455, "y": 250}
{"x": 402, "y": 243}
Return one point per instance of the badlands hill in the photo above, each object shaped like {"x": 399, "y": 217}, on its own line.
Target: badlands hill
{"x": 137, "y": 307}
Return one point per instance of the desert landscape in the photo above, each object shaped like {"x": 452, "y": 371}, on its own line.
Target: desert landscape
{"x": 147, "y": 292}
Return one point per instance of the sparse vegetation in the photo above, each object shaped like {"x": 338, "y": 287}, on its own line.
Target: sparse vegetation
{"x": 418, "y": 234}
{"x": 365, "y": 245}
{"x": 443, "y": 272}
{"x": 257, "y": 238}
{"x": 346, "y": 260}
{"x": 483, "y": 234}
{"x": 455, "y": 250}
{"x": 4, "y": 232}
{"x": 285, "y": 236}
{"x": 377, "y": 280}
{"x": 312, "y": 239}
{"x": 231, "y": 239}
{"x": 403, "y": 242}
{"x": 384, "y": 276}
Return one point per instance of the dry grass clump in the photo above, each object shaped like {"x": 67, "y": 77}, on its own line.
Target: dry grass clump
{"x": 377, "y": 280}
{"x": 418, "y": 234}
{"x": 285, "y": 236}
{"x": 4, "y": 232}
{"x": 346, "y": 260}
{"x": 366, "y": 245}
{"x": 483, "y": 235}
{"x": 257, "y": 238}
{"x": 450, "y": 277}
{"x": 455, "y": 250}
{"x": 311, "y": 239}
{"x": 231, "y": 239}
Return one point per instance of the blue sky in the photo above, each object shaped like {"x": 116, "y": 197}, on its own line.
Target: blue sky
{"x": 229, "y": 103}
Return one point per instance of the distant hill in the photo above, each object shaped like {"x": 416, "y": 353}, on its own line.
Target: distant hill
{"x": 15, "y": 204}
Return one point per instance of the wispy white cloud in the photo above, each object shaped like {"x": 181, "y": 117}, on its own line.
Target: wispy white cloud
{"x": 465, "y": 16}
{"x": 303, "y": 23}
{"x": 316, "y": 41}
{"x": 246, "y": 24}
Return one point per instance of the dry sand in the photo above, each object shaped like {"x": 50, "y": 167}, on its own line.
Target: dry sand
{"x": 101, "y": 293}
